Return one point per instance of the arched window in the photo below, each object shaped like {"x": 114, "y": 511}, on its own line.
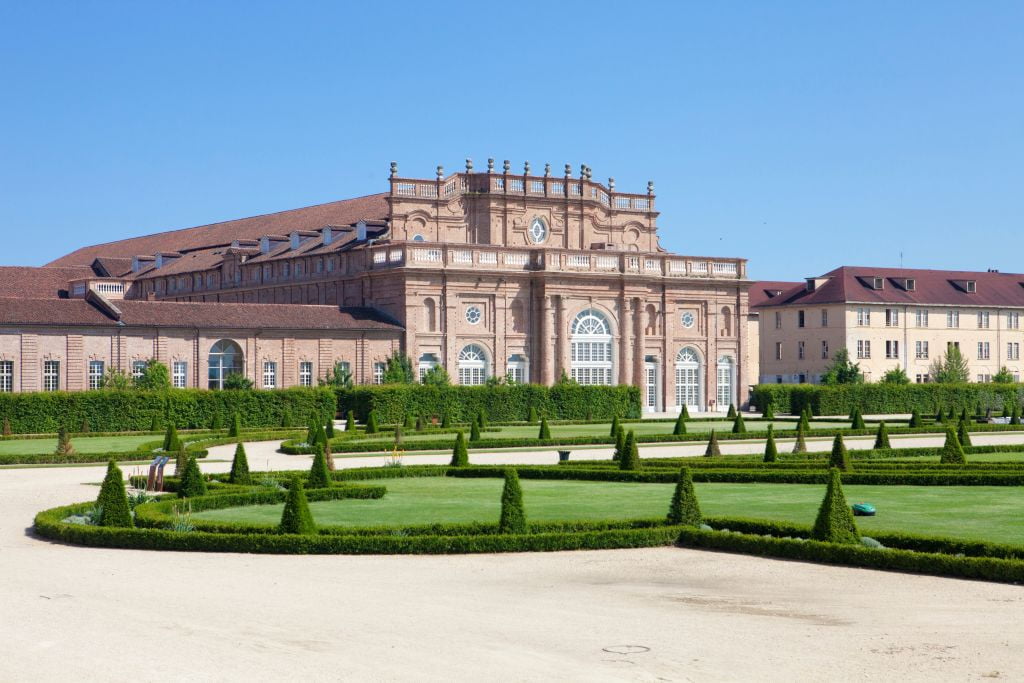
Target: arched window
{"x": 726, "y": 391}
{"x": 226, "y": 358}
{"x": 726, "y": 322}
{"x": 591, "y": 348}
{"x": 688, "y": 378}
{"x": 429, "y": 315}
{"x": 427, "y": 362}
{"x": 517, "y": 368}
{"x": 472, "y": 365}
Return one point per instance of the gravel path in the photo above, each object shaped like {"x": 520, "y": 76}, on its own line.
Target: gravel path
{"x": 73, "y": 613}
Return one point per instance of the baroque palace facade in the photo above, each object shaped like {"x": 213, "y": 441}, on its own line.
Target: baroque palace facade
{"x": 490, "y": 273}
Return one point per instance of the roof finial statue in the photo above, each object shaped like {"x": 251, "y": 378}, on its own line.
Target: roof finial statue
{"x": 611, "y": 183}
{"x": 526, "y": 168}
{"x": 469, "y": 165}
{"x": 394, "y": 168}
{"x": 568, "y": 171}
{"x": 588, "y": 173}
{"x": 507, "y": 166}
{"x": 547, "y": 170}
{"x": 440, "y": 171}
{"x": 583, "y": 171}
{"x": 490, "y": 165}
{"x": 650, "y": 187}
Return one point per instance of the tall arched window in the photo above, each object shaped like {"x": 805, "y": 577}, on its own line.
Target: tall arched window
{"x": 429, "y": 315}
{"x": 726, "y": 391}
{"x": 472, "y": 365}
{"x": 226, "y": 358}
{"x": 591, "y": 348}
{"x": 688, "y": 378}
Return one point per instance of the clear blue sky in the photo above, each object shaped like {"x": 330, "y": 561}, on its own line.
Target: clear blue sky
{"x": 801, "y": 135}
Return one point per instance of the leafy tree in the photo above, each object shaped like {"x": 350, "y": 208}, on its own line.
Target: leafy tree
{"x": 314, "y": 432}
{"x": 771, "y": 452}
{"x": 951, "y": 368}
{"x": 513, "y": 516}
{"x": 1004, "y": 376}
{"x": 712, "y": 448}
{"x": 800, "y": 445}
{"x": 952, "y": 452}
{"x": 460, "y": 456}
{"x": 684, "y": 508}
{"x": 838, "y": 458}
{"x": 371, "y": 423}
{"x": 117, "y": 379}
{"x": 895, "y": 376}
{"x": 339, "y": 377}
{"x": 834, "y": 523}
{"x": 680, "y": 426}
{"x": 630, "y": 459}
{"x": 319, "y": 477}
{"x": 192, "y": 482}
{"x": 882, "y": 436}
{"x": 545, "y": 431}
{"x": 842, "y": 370}
{"x": 296, "y": 518}
{"x": 738, "y": 425}
{"x": 328, "y": 456}
{"x": 963, "y": 435}
{"x": 398, "y": 370}
{"x": 155, "y": 377}
{"x": 240, "y": 467}
{"x": 237, "y": 381}
{"x": 113, "y": 501}
{"x": 436, "y": 376}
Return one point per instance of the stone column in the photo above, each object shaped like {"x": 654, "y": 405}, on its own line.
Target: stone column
{"x": 638, "y": 354}
{"x": 547, "y": 353}
{"x": 625, "y": 341}
{"x": 559, "y": 341}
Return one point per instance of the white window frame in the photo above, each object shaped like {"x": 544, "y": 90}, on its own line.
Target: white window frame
{"x": 892, "y": 317}
{"x": 688, "y": 384}
{"x": 921, "y": 350}
{"x": 892, "y": 349}
{"x": 6, "y": 376}
{"x": 179, "y": 374}
{"x": 725, "y": 386}
{"x": 269, "y": 374}
{"x": 863, "y": 348}
{"x": 953, "y": 319}
{"x": 921, "y": 317}
{"x": 863, "y": 317}
{"x": 1013, "y": 320}
{"x": 474, "y": 365}
{"x": 984, "y": 351}
{"x": 138, "y": 369}
{"x": 800, "y": 350}
{"x": 983, "y": 320}
{"x": 51, "y": 375}
{"x": 378, "y": 372}
{"x": 96, "y": 370}
{"x": 1013, "y": 351}
{"x": 306, "y": 373}
{"x": 591, "y": 353}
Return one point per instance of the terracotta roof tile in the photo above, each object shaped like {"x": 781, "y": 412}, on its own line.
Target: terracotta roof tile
{"x": 39, "y": 283}
{"x": 766, "y": 290}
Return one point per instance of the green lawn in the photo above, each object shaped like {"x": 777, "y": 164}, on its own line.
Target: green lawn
{"x": 82, "y": 444}
{"x": 970, "y": 512}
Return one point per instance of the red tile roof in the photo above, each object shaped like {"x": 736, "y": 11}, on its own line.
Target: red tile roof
{"x": 79, "y": 312}
{"x": 765, "y": 290}
{"x": 345, "y": 212}
{"x": 39, "y": 283}
{"x": 853, "y": 284}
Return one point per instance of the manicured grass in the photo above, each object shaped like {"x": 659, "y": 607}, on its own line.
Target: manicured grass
{"x": 970, "y": 512}
{"x": 82, "y": 444}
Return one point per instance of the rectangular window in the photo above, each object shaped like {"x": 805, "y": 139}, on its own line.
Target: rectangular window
{"x": 824, "y": 350}
{"x": 138, "y": 368}
{"x": 51, "y": 375}
{"x": 921, "y": 349}
{"x": 923, "y": 378}
{"x": 983, "y": 352}
{"x": 179, "y": 374}
{"x": 778, "y": 320}
{"x": 306, "y": 374}
{"x": 799, "y": 318}
{"x": 863, "y": 348}
{"x": 952, "y": 318}
{"x": 800, "y": 350}
{"x": 921, "y": 317}
{"x": 892, "y": 349}
{"x": 983, "y": 320}
{"x": 378, "y": 373}
{"x": 1013, "y": 320}
{"x": 778, "y": 350}
{"x": 824, "y": 317}
{"x": 269, "y": 374}
{"x": 864, "y": 317}
{"x": 892, "y": 317}
{"x": 1013, "y": 351}
{"x": 984, "y": 378}
{"x": 95, "y": 374}
{"x": 6, "y": 376}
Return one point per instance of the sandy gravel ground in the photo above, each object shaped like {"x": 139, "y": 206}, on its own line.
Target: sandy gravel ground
{"x": 70, "y": 613}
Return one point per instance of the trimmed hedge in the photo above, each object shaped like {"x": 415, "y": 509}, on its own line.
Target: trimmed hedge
{"x": 503, "y": 403}
{"x": 885, "y": 398}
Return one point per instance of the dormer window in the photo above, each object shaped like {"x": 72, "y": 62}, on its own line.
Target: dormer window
{"x": 972, "y": 286}
{"x": 911, "y": 284}
{"x": 877, "y": 283}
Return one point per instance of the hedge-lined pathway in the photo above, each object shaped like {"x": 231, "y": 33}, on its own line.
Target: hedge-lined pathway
{"x": 96, "y": 614}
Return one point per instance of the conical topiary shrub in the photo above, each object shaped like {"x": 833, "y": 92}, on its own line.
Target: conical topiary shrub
{"x": 834, "y": 523}
{"x": 738, "y": 425}
{"x": 963, "y": 435}
{"x": 858, "y": 420}
{"x": 771, "y": 453}
{"x": 319, "y": 477}
{"x": 531, "y": 416}
{"x": 64, "y": 446}
{"x": 630, "y": 458}
{"x": 328, "y": 456}
{"x": 838, "y": 458}
{"x": 446, "y": 421}
{"x": 180, "y": 460}
{"x": 192, "y": 482}
{"x": 684, "y": 508}
{"x": 732, "y": 411}
{"x": 620, "y": 444}
{"x": 513, "y": 516}
{"x": 963, "y": 415}
{"x": 952, "y": 453}
{"x": 154, "y": 424}
{"x": 680, "y": 426}
{"x": 240, "y": 467}
{"x": 481, "y": 419}
{"x": 615, "y": 426}
{"x": 712, "y": 448}
{"x": 171, "y": 441}
{"x": 113, "y": 501}
{"x": 882, "y": 436}
{"x": 460, "y": 456}
{"x": 545, "y": 431}
{"x": 769, "y": 412}
{"x": 329, "y": 428}
{"x": 313, "y": 432}
{"x": 915, "y": 419}
{"x": 685, "y": 413}
{"x": 940, "y": 416}
{"x": 296, "y": 518}
{"x": 805, "y": 422}
{"x": 371, "y": 423}
{"x": 800, "y": 445}
{"x": 350, "y": 421}
{"x": 474, "y": 431}
{"x": 235, "y": 430}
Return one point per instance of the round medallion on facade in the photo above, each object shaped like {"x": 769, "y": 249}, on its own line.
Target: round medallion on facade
{"x": 538, "y": 230}
{"x": 688, "y": 319}
{"x": 473, "y": 315}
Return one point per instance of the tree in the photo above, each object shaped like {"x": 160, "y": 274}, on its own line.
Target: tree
{"x": 915, "y": 419}
{"x": 314, "y": 432}
{"x": 858, "y": 419}
{"x": 398, "y": 370}
{"x": 712, "y": 448}
{"x": 350, "y": 421}
{"x": 155, "y": 377}
{"x": 474, "y": 431}
{"x": 951, "y": 368}
{"x": 531, "y": 417}
{"x": 769, "y": 412}
{"x": 421, "y": 423}
{"x": 296, "y": 517}
{"x": 154, "y": 424}
{"x": 371, "y": 423}
{"x": 800, "y": 446}
{"x": 329, "y": 429}
{"x": 895, "y": 376}
{"x": 460, "y": 456}
{"x": 117, "y": 379}
{"x": 64, "y": 446}
{"x": 838, "y": 458}
{"x": 113, "y": 501}
{"x": 192, "y": 482}
{"x": 732, "y": 411}
{"x": 963, "y": 435}
{"x": 446, "y": 421}
{"x": 237, "y": 381}
{"x": 882, "y": 436}
{"x": 436, "y": 376}
{"x": 842, "y": 370}
{"x": 684, "y": 508}
{"x": 319, "y": 477}
{"x": 952, "y": 452}
{"x": 328, "y": 455}
{"x": 1015, "y": 415}
{"x": 339, "y": 377}
{"x": 620, "y": 444}
{"x": 235, "y": 430}
{"x": 615, "y": 426}
{"x": 738, "y": 425}
{"x": 216, "y": 420}
{"x": 545, "y": 431}
{"x": 771, "y": 453}
{"x": 834, "y": 523}
{"x": 684, "y": 412}
{"x": 1004, "y": 376}
{"x": 680, "y": 426}
{"x": 513, "y": 516}
{"x": 630, "y": 459}
{"x": 240, "y": 467}
{"x": 481, "y": 419}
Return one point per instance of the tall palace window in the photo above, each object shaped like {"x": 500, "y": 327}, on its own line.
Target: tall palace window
{"x": 725, "y": 382}
{"x": 225, "y": 359}
{"x": 591, "y": 348}
{"x": 472, "y": 365}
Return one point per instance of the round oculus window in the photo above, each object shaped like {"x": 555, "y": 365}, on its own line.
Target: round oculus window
{"x": 473, "y": 315}
{"x": 538, "y": 230}
{"x": 688, "y": 319}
